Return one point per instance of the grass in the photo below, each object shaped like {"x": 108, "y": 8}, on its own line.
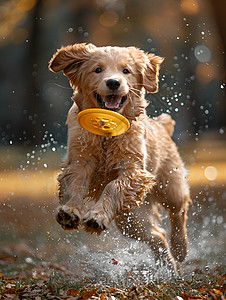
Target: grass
{"x": 200, "y": 286}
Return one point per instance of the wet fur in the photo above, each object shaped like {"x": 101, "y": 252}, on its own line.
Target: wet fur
{"x": 106, "y": 178}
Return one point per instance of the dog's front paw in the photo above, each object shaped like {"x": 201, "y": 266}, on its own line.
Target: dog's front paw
{"x": 68, "y": 217}
{"x": 95, "y": 223}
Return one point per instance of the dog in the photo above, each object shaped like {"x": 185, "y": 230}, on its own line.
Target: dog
{"x": 108, "y": 178}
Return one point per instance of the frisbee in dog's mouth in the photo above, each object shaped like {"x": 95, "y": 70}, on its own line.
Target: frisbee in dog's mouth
{"x": 103, "y": 122}
{"x": 112, "y": 101}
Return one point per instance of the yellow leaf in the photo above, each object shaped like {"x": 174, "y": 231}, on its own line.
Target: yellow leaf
{"x": 72, "y": 292}
{"x": 102, "y": 297}
{"x": 88, "y": 294}
{"x": 218, "y": 292}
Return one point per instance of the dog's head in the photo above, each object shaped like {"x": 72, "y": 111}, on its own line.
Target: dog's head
{"x": 108, "y": 77}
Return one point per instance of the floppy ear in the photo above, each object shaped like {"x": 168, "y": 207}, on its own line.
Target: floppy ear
{"x": 69, "y": 59}
{"x": 151, "y": 73}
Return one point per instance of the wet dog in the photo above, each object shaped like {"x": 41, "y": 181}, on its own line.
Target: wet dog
{"x": 107, "y": 178}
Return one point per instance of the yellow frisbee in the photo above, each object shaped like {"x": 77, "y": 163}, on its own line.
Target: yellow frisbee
{"x": 103, "y": 122}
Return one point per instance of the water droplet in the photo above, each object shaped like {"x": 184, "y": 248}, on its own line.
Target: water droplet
{"x": 220, "y": 219}
{"x": 202, "y": 53}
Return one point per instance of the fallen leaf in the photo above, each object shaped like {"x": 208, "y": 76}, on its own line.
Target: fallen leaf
{"x": 102, "y": 297}
{"x": 11, "y": 296}
{"x": 72, "y": 292}
{"x": 88, "y": 294}
{"x": 211, "y": 295}
{"x": 7, "y": 279}
{"x": 218, "y": 292}
{"x": 221, "y": 281}
{"x": 188, "y": 297}
{"x": 114, "y": 261}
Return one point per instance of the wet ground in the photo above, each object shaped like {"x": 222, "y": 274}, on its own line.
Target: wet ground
{"x": 33, "y": 244}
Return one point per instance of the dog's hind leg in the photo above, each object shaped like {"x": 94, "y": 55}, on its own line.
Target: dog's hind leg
{"x": 178, "y": 238}
{"x": 142, "y": 224}
{"x": 174, "y": 195}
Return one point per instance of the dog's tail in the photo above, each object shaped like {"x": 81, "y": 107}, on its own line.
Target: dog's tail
{"x": 166, "y": 121}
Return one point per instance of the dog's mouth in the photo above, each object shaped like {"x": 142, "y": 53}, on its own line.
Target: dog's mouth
{"x": 112, "y": 101}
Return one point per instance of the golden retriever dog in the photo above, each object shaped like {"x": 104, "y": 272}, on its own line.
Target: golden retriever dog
{"x": 107, "y": 178}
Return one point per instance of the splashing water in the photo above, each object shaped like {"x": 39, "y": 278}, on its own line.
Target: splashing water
{"x": 111, "y": 259}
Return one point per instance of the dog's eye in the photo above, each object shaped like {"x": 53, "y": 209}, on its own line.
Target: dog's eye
{"x": 126, "y": 71}
{"x": 98, "y": 70}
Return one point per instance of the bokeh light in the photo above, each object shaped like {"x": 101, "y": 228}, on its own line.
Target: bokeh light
{"x": 189, "y": 7}
{"x": 25, "y": 5}
{"x": 205, "y": 73}
{"x": 108, "y": 18}
{"x": 211, "y": 173}
{"x": 13, "y": 13}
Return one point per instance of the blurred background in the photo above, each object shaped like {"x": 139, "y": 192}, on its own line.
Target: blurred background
{"x": 190, "y": 34}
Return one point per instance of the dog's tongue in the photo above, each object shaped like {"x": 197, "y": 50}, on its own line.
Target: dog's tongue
{"x": 112, "y": 101}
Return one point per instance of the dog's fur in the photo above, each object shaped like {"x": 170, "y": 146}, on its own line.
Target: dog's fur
{"x": 105, "y": 178}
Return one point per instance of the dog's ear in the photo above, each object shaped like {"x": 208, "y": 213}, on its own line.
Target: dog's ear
{"x": 151, "y": 73}
{"x": 69, "y": 59}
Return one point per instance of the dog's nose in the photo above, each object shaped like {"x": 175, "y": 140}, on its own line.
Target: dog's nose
{"x": 113, "y": 84}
